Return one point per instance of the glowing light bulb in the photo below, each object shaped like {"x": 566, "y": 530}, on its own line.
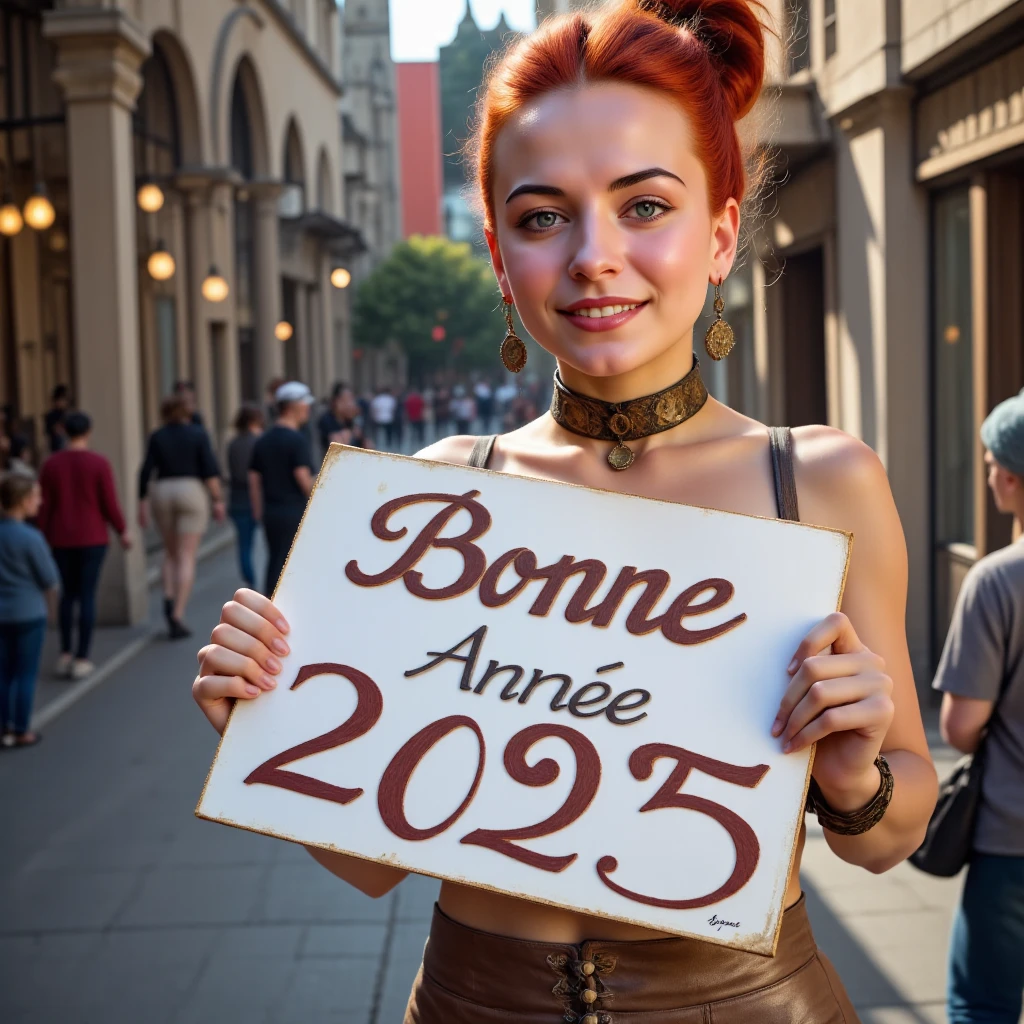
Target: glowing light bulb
{"x": 160, "y": 264}
{"x": 215, "y": 288}
{"x": 39, "y": 211}
{"x": 340, "y": 277}
{"x": 10, "y": 220}
{"x": 283, "y": 330}
{"x": 150, "y": 197}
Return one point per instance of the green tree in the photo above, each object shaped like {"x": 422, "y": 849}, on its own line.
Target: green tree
{"x": 425, "y": 284}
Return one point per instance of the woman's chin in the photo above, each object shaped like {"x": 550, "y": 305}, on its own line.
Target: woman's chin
{"x": 606, "y": 359}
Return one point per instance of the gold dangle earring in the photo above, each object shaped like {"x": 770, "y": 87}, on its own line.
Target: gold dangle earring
{"x": 720, "y": 337}
{"x": 513, "y": 351}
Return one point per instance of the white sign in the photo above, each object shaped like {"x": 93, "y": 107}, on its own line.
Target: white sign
{"x": 558, "y": 693}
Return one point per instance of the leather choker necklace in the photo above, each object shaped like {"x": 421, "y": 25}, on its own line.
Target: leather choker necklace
{"x": 628, "y": 421}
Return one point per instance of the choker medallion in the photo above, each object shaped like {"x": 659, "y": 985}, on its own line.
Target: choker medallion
{"x": 628, "y": 421}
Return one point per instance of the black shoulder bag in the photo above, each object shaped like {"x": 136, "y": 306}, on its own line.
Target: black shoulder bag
{"x": 947, "y": 843}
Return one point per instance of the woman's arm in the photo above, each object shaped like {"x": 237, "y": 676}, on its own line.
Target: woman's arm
{"x": 858, "y": 697}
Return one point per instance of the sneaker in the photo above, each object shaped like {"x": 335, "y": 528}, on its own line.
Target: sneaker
{"x": 178, "y": 630}
{"x": 82, "y": 668}
{"x": 63, "y": 667}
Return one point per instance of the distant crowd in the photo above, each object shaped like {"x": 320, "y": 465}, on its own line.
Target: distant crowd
{"x": 55, "y": 523}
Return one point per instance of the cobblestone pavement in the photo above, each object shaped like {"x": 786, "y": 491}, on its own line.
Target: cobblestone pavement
{"x": 117, "y": 906}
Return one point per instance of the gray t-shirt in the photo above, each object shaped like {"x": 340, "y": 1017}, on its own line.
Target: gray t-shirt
{"x": 27, "y": 571}
{"x": 985, "y": 646}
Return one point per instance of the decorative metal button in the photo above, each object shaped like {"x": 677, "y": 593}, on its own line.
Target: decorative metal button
{"x": 590, "y": 1018}
{"x": 587, "y": 967}
{"x": 588, "y": 995}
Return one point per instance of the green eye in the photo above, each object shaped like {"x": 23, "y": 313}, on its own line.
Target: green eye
{"x": 547, "y": 219}
{"x": 646, "y": 209}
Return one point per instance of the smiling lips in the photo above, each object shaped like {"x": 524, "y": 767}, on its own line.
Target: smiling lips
{"x": 591, "y": 317}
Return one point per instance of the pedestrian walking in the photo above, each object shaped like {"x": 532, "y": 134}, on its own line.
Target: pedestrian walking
{"x": 248, "y": 428}
{"x": 442, "y": 412}
{"x": 341, "y": 421}
{"x": 382, "y": 411}
{"x": 79, "y": 505}
{"x": 415, "y": 411}
{"x": 982, "y": 664}
{"x": 19, "y": 456}
{"x": 185, "y": 390}
{"x": 29, "y": 584}
{"x": 281, "y": 476}
{"x": 53, "y": 421}
{"x": 646, "y": 97}
{"x": 186, "y": 469}
{"x": 484, "y": 395}
{"x": 463, "y": 409}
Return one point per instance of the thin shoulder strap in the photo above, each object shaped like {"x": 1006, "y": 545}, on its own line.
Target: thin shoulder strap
{"x": 480, "y": 456}
{"x": 781, "y": 439}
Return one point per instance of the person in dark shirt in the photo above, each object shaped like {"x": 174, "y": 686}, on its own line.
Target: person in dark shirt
{"x": 281, "y": 476}
{"x": 185, "y": 390}
{"x": 60, "y": 401}
{"x": 341, "y": 421}
{"x": 249, "y": 424}
{"x": 180, "y": 455}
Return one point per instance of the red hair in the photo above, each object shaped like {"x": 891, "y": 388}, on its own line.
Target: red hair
{"x": 707, "y": 55}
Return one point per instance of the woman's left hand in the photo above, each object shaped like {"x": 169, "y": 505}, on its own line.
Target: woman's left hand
{"x": 840, "y": 700}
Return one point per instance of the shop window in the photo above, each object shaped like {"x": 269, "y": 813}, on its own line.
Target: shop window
{"x": 952, "y": 413}
{"x": 798, "y": 23}
{"x": 829, "y": 22}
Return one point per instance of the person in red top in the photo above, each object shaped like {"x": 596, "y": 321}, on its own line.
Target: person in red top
{"x": 414, "y": 409}
{"x": 79, "y": 501}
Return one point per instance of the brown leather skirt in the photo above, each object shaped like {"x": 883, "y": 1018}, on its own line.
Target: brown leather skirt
{"x": 473, "y": 977}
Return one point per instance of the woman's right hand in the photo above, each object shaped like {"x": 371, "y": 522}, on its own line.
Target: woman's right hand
{"x": 242, "y": 658}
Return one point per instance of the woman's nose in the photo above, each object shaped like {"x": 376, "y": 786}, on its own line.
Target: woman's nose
{"x": 597, "y": 250}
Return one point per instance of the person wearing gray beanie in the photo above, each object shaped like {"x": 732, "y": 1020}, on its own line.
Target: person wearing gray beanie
{"x": 1002, "y": 434}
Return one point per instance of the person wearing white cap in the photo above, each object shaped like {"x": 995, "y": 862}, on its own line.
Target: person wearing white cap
{"x": 281, "y": 476}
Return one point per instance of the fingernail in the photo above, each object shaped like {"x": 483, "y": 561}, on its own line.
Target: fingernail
{"x": 792, "y": 666}
{"x": 249, "y": 688}
{"x": 273, "y": 665}
{"x": 279, "y": 645}
{"x": 268, "y": 683}
{"x": 787, "y": 747}
{"x": 776, "y": 726}
{"x": 282, "y": 625}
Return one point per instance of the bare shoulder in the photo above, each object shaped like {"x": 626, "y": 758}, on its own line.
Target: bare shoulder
{"x": 453, "y": 449}
{"x": 842, "y": 483}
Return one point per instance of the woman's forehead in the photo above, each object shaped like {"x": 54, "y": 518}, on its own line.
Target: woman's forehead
{"x": 592, "y": 134}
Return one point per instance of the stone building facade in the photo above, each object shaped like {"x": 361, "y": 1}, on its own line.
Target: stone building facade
{"x": 227, "y": 113}
{"x": 884, "y": 292}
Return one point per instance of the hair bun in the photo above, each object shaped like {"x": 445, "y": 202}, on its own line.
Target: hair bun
{"x": 734, "y": 36}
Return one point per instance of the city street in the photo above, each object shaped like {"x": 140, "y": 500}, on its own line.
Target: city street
{"x": 120, "y": 907}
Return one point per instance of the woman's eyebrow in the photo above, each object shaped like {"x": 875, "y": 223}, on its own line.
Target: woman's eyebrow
{"x": 536, "y": 190}
{"x": 629, "y": 180}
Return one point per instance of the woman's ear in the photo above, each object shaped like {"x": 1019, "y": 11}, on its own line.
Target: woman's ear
{"x": 496, "y": 264}
{"x": 725, "y": 235}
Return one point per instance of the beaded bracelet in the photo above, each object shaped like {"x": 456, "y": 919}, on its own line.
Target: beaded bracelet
{"x": 854, "y": 823}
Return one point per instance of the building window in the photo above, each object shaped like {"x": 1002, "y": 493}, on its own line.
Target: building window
{"x": 798, "y": 22}
{"x": 829, "y": 22}
{"x": 952, "y": 411}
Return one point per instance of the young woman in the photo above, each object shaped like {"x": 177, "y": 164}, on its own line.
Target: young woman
{"x": 610, "y": 176}
{"x": 248, "y": 428}
{"x": 187, "y": 481}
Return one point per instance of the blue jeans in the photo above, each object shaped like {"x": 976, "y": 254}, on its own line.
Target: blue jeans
{"x": 21, "y": 647}
{"x": 80, "y": 575}
{"x": 986, "y": 956}
{"x": 245, "y": 527}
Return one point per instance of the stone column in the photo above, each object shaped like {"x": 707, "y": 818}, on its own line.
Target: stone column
{"x": 99, "y": 53}
{"x": 304, "y": 344}
{"x": 326, "y": 317}
{"x": 269, "y": 355}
